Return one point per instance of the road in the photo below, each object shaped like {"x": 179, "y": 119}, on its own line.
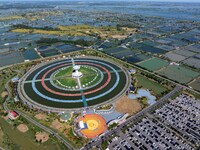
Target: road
{"x": 134, "y": 118}
{"x": 68, "y": 146}
{"x": 8, "y": 98}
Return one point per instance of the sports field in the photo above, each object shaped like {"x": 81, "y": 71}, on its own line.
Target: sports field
{"x": 96, "y": 125}
{"x": 180, "y": 74}
{"x": 153, "y": 64}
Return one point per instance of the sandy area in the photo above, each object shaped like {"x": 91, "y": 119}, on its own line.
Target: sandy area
{"x": 41, "y": 116}
{"x": 42, "y": 136}
{"x": 119, "y": 36}
{"x": 126, "y": 105}
{"x": 4, "y": 94}
{"x": 22, "y": 128}
{"x": 103, "y": 35}
{"x": 56, "y": 125}
{"x": 6, "y": 117}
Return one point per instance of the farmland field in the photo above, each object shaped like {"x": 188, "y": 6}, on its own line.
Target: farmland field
{"x": 152, "y": 49}
{"x": 153, "y": 64}
{"x": 194, "y": 48}
{"x": 115, "y": 50}
{"x": 149, "y": 84}
{"x": 196, "y": 84}
{"x": 49, "y": 52}
{"x": 185, "y": 53}
{"x": 180, "y": 74}
{"x": 79, "y": 30}
{"x": 30, "y": 54}
{"x": 174, "y": 57}
{"x": 137, "y": 58}
{"x": 126, "y": 53}
{"x": 11, "y": 58}
{"x": 192, "y": 62}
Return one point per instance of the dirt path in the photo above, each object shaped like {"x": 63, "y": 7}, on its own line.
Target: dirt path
{"x": 4, "y": 94}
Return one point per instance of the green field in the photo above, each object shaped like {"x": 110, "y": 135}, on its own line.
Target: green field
{"x": 153, "y": 64}
{"x": 78, "y": 30}
{"x": 69, "y": 81}
{"x": 89, "y": 75}
{"x": 65, "y": 72}
{"x": 196, "y": 84}
{"x": 149, "y": 84}
{"x": 16, "y": 140}
{"x": 88, "y": 78}
{"x": 180, "y": 74}
{"x": 64, "y": 77}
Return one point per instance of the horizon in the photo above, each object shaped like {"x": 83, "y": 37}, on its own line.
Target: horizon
{"x": 171, "y": 1}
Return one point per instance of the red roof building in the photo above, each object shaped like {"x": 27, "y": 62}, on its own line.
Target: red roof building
{"x": 13, "y": 115}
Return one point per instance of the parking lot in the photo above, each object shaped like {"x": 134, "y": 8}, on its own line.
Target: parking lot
{"x": 183, "y": 115}
{"x": 174, "y": 126}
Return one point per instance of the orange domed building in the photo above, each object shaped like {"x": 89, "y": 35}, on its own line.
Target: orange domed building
{"x": 92, "y": 125}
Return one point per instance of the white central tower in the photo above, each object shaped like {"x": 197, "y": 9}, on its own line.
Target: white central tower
{"x": 77, "y": 73}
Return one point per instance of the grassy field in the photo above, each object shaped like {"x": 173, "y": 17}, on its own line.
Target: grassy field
{"x": 10, "y": 18}
{"x": 149, "y": 84}
{"x": 88, "y": 76}
{"x": 65, "y": 72}
{"x": 180, "y": 74}
{"x": 40, "y": 15}
{"x": 69, "y": 81}
{"x": 196, "y": 84}
{"x": 153, "y": 64}
{"x": 33, "y": 15}
{"x": 81, "y": 30}
{"x": 65, "y": 77}
{"x": 1, "y": 137}
{"x": 86, "y": 70}
{"x": 14, "y": 139}
{"x": 86, "y": 79}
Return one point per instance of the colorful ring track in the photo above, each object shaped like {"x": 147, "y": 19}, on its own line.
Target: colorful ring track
{"x": 77, "y": 94}
{"x": 37, "y": 90}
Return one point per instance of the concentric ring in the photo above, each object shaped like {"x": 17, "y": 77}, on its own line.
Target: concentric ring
{"x": 84, "y": 88}
{"x": 37, "y": 90}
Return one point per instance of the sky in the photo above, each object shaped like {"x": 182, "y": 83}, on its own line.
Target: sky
{"x": 113, "y": 0}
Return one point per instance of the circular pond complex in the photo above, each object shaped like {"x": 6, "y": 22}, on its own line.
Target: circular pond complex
{"x": 72, "y": 84}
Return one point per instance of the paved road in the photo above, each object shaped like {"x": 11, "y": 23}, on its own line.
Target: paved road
{"x": 8, "y": 98}
{"x": 68, "y": 146}
{"x": 134, "y": 118}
